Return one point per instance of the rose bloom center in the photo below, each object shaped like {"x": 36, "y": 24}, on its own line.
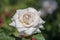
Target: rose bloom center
{"x": 27, "y": 19}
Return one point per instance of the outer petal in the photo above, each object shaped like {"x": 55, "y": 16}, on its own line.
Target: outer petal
{"x": 41, "y": 26}
{"x": 17, "y": 14}
{"x": 37, "y": 31}
{"x": 37, "y": 20}
{"x": 30, "y": 31}
{"x": 22, "y": 29}
{"x": 12, "y": 24}
{"x": 32, "y": 10}
{"x": 41, "y": 21}
{"x": 20, "y": 11}
{"x": 15, "y": 17}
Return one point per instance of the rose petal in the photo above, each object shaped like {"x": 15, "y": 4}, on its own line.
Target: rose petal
{"x": 22, "y": 29}
{"x": 37, "y": 31}
{"x": 41, "y": 21}
{"x": 32, "y": 10}
{"x": 12, "y": 24}
{"x": 18, "y": 24}
{"x": 15, "y": 17}
{"x": 41, "y": 26}
{"x": 30, "y": 31}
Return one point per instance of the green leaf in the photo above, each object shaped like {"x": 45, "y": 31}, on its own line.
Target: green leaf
{"x": 39, "y": 37}
{"x": 25, "y": 39}
{"x": 3, "y": 36}
{"x": 16, "y": 34}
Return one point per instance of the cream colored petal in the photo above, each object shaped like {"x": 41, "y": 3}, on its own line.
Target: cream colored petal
{"x": 30, "y": 31}
{"x": 12, "y": 24}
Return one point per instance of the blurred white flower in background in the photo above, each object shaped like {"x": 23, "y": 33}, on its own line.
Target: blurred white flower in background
{"x": 49, "y": 6}
{"x": 27, "y": 21}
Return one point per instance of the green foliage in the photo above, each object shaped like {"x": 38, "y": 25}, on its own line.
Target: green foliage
{"x": 4, "y": 36}
{"x": 38, "y": 37}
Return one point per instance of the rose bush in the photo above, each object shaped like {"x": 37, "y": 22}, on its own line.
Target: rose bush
{"x": 27, "y": 21}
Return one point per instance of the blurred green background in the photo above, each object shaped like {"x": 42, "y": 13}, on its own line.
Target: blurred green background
{"x": 8, "y": 9}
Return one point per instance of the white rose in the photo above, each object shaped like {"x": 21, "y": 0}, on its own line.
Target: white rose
{"x": 27, "y": 21}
